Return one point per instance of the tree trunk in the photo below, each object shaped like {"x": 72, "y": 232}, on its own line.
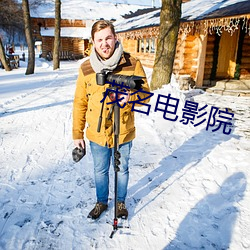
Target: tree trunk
{"x": 28, "y": 33}
{"x": 3, "y": 57}
{"x": 56, "y": 59}
{"x": 168, "y": 34}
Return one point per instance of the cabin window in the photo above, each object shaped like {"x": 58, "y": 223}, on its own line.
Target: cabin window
{"x": 152, "y": 45}
{"x": 140, "y": 45}
{"x": 146, "y": 45}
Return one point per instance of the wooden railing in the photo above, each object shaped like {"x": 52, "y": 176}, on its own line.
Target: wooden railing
{"x": 63, "y": 55}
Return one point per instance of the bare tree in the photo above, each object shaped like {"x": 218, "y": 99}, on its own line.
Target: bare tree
{"x": 36, "y": 3}
{"x": 11, "y": 24}
{"x": 168, "y": 34}
{"x": 11, "y": 16}
{"x": 56, "y": 59}
{"x": 28, "y": 33}
{"x": 3, "y": 57}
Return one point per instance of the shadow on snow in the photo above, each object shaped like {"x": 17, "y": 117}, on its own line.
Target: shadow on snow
{"x": 210, "y": 223}
{"x": 191, "y": 153}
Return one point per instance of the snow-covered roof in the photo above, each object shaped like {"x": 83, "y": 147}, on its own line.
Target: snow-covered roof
{"x": 145, "y": 20}
{"x": 205, "y": 9}
{"x": 79, "y": 32}
{"x": 191, "y": 11}
{"x": 85, "y": 10}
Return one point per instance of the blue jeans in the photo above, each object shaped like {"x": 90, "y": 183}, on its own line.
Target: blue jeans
{"x": 102, "y": 157}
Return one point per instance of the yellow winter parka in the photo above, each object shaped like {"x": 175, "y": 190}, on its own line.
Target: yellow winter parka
{"x": 87, "y": 104}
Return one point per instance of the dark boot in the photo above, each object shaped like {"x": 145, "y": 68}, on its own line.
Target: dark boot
{"x": 97, "y": 210}
{"x": 122, "y": 211}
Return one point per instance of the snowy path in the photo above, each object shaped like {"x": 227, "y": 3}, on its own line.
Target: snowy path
{"x": 188, "y": 187}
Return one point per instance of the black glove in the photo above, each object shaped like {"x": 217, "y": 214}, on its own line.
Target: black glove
{"x": 78, "y": 153}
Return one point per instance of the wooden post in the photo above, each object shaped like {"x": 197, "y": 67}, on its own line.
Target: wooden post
{"x": 140, "y": 40}
{"x": 144, "y": 45}
{"x": 201, "y": 60}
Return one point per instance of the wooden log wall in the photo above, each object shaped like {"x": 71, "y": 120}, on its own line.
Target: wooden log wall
{"x": 178, "y": 61}
{"x": 50, "y": 22}
{"x": 79, "y": 46}
{"x": 190, "y": 56}
{"x": 185, "y": 59}
{"x": 73, "y": 45}
{"x": 186, "y": 55}
{"x": 66, "y": 44}
{"x": 131, "y": 46}
{"x": 146, "y": 59}
{"x": 47, "y": 45}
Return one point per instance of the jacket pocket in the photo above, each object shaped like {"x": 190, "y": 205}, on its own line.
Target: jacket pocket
{"x": 127, "y": 121}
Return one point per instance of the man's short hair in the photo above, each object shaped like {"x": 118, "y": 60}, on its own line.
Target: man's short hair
{"x": 101, "y": 24}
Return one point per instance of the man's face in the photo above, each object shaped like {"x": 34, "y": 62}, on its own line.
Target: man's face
{"x": 104, "y": 42}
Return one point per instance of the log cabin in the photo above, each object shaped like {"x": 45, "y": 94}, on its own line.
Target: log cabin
{"x": 77, "y": 19}
{"x": 74, "y": 37}
{"x": 213, "y": 41}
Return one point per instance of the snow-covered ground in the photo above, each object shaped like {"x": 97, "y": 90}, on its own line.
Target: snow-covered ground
{"x": 188, "y": 188}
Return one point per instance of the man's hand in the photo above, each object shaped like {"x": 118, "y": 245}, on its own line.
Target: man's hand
{"x": 79, "y": 151}
{"x": 79, "y": 143}
{"x": 125, "y": 97}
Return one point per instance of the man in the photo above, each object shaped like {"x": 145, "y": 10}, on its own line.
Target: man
{"x": 107, "y": 54}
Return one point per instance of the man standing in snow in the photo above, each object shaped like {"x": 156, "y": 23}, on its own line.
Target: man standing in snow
{"x": 107, "y": 54}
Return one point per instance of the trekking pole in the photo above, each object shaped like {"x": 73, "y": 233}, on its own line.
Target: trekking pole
{"x": 117, "y": 156}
